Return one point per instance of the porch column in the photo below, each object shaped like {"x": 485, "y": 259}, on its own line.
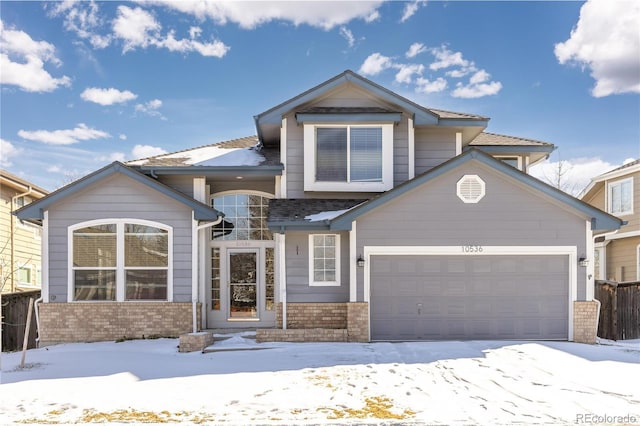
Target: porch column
{"x": 198, "y": 257}
{"x": 353, "y": 264}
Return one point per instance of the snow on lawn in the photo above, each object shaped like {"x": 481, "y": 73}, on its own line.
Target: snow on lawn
{"x": 243, "y": 382}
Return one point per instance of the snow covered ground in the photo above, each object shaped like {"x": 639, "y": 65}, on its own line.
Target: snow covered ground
{"x": 474, "y": 382}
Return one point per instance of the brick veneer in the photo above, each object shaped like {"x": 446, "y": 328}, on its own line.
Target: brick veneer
{"x": 100, "y": 321}
{"x": 195, "y": 341}
{"x": 585, "y": 321}
{"x": 319, "y": 322}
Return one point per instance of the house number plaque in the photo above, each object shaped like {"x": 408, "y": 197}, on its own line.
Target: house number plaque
{"x": 472, "y": 249}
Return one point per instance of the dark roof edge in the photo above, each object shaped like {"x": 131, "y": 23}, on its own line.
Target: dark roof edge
{"x": 36, "y": 209}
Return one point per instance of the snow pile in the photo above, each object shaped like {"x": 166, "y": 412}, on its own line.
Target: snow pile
{"x": 475, "y": 382}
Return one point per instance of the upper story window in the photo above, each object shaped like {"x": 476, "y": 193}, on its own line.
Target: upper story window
{"x": 348, "y": 157}
{"x": 621, "y": 197}
{"x": 120, "y": 260}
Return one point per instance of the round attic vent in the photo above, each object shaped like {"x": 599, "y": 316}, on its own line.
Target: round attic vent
{"x": 470, "y": 188}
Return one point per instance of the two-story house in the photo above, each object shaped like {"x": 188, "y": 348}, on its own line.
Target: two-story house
{"x": 20, "y": 266}
{"x": 355, "y": 214}
{"x": 617, "y": 253}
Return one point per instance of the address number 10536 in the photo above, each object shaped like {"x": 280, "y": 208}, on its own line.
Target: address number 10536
{"x": 472, "y": 249}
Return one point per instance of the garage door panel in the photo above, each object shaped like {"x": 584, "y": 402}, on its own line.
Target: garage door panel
{"x": 469, "y": 297}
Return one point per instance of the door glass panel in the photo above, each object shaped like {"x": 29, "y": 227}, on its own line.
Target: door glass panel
{"x": 215, "y": 279}
{"x": 242, "y": 285}
{"x": 269, "y": 279}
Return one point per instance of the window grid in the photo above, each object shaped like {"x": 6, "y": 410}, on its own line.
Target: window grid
{"x": 621, "y": 197}
{"x": 247, "y": 215}
{"x": 324, "y": 259}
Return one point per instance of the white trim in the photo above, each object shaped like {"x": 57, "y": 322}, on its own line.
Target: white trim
{"x": 310, "y": 183}
{"x": 412, "y": 149}
{"x": 464, "y": 197}
{"x": 353, "y": 264}
{"x": 282, "y": 274}
{"x": 570, "y": 251}
{"x": 283, "y": 160}
{"x": 610, "y": 186}
{"x": 618, "y": 235}
{"x": 194, "y": 270}
{"x": 590, "y": 250}
{"x": 616, "y": 173}
{"x": 120, "y": 264}
{"x": 602, "y": 258}
{"x": 518, "y": 158}
{"x": 458, "y": 143}
{"x": 312, "y": 282}
{"x": 44, "y": 258}
{"x": 200, "y": 189}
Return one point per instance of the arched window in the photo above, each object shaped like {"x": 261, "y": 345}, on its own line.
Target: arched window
{"x": 245, "y": 217}
{"x": 120, "y": 259}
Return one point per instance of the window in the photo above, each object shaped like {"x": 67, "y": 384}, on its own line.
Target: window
{"x": 638, "y": 263}
{"x": 245, "y": 217}
{"x": 621, "y": 197}
{"x": 120, "y": 260}
{"x": 24, "y": 275}
{"x": 349, "y": 157}
{"x": 324, "y": 260}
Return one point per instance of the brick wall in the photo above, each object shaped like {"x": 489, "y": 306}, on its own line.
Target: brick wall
{"x": 91, "y": 322}
{"x": 319, "y": 322}
{"x": 313, "y": 315}
{"x": 585, "y": 321}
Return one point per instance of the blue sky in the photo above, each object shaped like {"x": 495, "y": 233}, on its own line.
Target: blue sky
{"x": 86, "y": 83}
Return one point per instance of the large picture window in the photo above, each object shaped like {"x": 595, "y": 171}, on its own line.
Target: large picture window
{"x": 621, "y": 197}
{"x": 348, "y": 157}
{"x": 324, "y": 260}
{"x": 120, "y": 260}
{"x": 245, "y": 217}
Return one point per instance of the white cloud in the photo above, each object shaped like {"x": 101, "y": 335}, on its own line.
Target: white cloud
{"x": 410, "y": 9}
{"x": 114, "y": 156}
{"x": 22, "y": 61}
{"x": 445, "y": 58}
{"x": 249, "y": 15}
{"x": 107, "y": 96}
{"x": 607, "y": 41}
{"x": 479, "y": 77}
{"x": 348, "y": 35}
{"x": 407, "y": 71}
{"x": 415, "y": 49}
{"x": 151, "y": 108}
{"x": 372, "y": 17}
{"x": 82, "y": 18}
{"x": 215, "y": 48}
{"x": 144, "y": 151}
{"x": 54, "y": 169}
{"x": 427, "y": 86}
{"x": 64, "y": 137}
{"x": 571, "y": 176}
{"x": 7, "y": 151}
{"x": 476, "y": 90}
{"x": 122, "y": 137}
{"x": 136, "y": 27}
{"x": 458, "y": 73}
{"x": 375, "y": 64}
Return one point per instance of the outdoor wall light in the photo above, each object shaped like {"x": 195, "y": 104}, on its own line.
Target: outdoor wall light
{"x": 360, "y": 261}
{"x": 583, "y": 261}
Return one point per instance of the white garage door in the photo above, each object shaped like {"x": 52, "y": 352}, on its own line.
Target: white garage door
{"x": 418, "y": 297}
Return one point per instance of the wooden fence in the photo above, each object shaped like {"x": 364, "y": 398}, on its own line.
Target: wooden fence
{"x": 14, "y": 318}
{"x": 619, "y": 310}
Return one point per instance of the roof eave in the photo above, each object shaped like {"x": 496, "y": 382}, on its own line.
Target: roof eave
{"x": 275, "y": 170}
{"x": 289, "y": 225}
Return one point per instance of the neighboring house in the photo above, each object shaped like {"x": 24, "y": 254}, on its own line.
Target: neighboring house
{"x": 617, "y": 253}
{"x": 20, "y": 266}
{"x": 354, "y": 214}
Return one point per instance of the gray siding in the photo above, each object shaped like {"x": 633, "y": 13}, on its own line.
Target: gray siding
{"x": 180, "y": 183}
{"x": 298, "y": 288}
{"x": 114, "y": 198}
{"x": 433, "y": 147}
{"x": 267, "y": 185}
{"x": 509, "y": 215}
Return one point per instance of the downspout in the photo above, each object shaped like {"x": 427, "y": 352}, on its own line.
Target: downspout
{"x": 12, "y": 271}
{"x": 195, "y": 232}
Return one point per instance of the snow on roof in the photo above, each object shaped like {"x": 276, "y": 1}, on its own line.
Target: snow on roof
{"x": 319, "y": 217}
{"x": 212, "y": 155}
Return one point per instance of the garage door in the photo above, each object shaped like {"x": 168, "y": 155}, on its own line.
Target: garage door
{"x": 469, "y": 297}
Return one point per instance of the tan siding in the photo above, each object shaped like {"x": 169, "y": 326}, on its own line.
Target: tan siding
{"x": 622, "y": 261}
{"x": 632, "y": 219}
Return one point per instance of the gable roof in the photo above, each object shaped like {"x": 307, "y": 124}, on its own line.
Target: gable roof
{"x": 35, "y": 211}
{"x": 242, "y": 156}
{"x": 270, "y": 120}
{"x": 496, "y": 144}
{"x": 600, "y": 220}
{"x": 306, "y": 213}
{"x": 20, "y": 184}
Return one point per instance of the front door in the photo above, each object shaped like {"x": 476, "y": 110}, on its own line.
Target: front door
{"x": 242, "y": 284}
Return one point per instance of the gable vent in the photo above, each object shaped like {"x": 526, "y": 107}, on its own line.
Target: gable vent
{"x": 470, "y": 188}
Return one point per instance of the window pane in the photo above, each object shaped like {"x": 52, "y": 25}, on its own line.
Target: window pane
{"x": 215, "y": 279}
{"x": 95, "y": 246}
{"x": 95, "y": 285}
{"x": 625, "y": 203}
{"x": 146, "y": 250}
{"x": 245, "y": 218}
{"x": 269, "y": 279}
{"x": 366, "y": 154}
{"x": 324, "y": 258}
{"x": 331, "y": 154}
{"x": 146, "y": 285}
